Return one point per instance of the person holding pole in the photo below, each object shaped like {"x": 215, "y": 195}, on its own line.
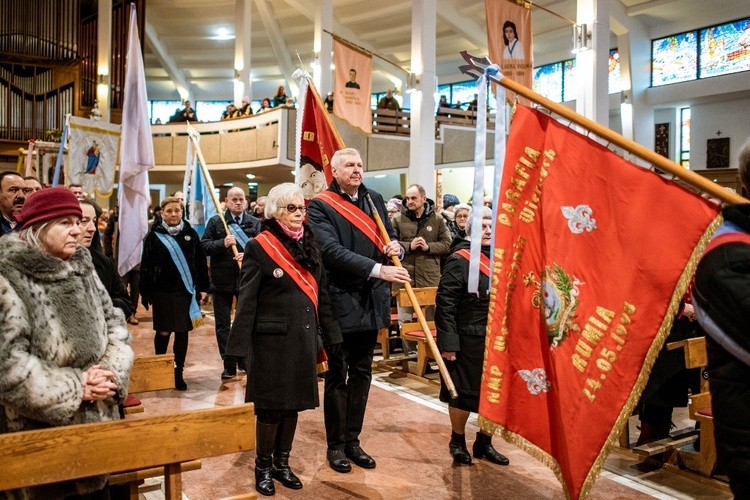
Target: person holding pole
{"x": 217, "y": 242}
{"x": 461, "y": 322}
{"x": 355, "y": 256}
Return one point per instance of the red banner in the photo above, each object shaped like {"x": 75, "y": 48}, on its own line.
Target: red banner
{"x": 509, "y": 38}
{"x": 319, "y": 141}
{"x": 592, "y": 255}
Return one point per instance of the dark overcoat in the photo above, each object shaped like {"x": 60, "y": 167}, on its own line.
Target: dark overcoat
{"x": 360, "y": 303}
{"x": 225, "y": 272}
{"x": 276, "y": 328}
{"x": 461, "y": 321}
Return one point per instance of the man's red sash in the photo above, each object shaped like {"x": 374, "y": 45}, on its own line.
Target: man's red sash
{"x": 357, "y": 217}
{"x": 484, "y": 261}
{"x": 732, "y": 237}
{"x": 281, "y": 256}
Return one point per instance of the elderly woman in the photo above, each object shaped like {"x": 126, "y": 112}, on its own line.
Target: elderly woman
{"x": 65, "y": 356}
{"x": 461, "y": 321}
{"x": 173, "y": 273}
{"x": 457, "y": 226}
{"x": 283, "y": 320}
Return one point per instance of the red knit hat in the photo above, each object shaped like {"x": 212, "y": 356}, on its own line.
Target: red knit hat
{"x": 46, "y": 205}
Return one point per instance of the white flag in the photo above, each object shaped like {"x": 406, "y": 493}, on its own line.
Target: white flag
{"x": 136, "y": 156}
{"x": 92, "y": 151}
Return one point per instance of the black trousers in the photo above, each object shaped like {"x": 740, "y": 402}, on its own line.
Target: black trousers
{"x": 347, "y": 388}
{"x": 223, "y": 317}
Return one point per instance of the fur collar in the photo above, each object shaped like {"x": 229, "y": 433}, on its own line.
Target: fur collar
{"x": 306, "y": 253}
{"x": 18, "y": 255}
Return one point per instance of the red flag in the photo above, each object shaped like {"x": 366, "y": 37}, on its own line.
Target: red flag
{"x": 592, "y": 256}
{"x": 319, "y": 141}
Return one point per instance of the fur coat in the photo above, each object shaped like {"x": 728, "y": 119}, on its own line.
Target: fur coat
{"x": 57, "y": 320}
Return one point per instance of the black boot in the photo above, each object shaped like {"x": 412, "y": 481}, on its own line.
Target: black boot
{"x": 281, "y": 470}
{"x": 160, "y": 343}
{"x": 483, "y": 449}
{"x": 457, "y": 447}
{"x": 265, "y": 441}
{"x": 180, "y": 348}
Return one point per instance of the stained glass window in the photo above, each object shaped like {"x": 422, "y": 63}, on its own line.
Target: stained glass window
{"x": 685, "y": 137}
{"x": 614, "y": 72}
{"x": 725, "y": 49}
{"x": 570, "y": 89}
{"x": 674, "y": 59}
{"x": 548, "y": 81}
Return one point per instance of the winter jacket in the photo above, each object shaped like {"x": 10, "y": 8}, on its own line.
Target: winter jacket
{"x": 57, "y": 321}
{"x": 721, "y": 298}
{"x": 360, "y": 302}
{"x": 423, "y": 267}
{"x": 225, "y": 273}
{"x": 276, "y": 327}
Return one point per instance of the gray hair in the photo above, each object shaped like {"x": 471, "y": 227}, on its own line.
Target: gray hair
{"x": 279, "y": 197}
{"x": 744, "y": 165}
{"x": 461, "y": 206}
{"x": 336, "y": 160}
{"x": 486, "y": 214}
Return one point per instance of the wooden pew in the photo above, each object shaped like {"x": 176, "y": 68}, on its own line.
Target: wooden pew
{"x": 150, "y": 373}
{"x": 44, "y": 456}
{"x": 413, "y": 331}
{"x": 699, "y": 407}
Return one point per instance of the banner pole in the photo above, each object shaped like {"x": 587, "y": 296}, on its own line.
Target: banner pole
{"x": 210, "y": 184}
{"x": 415, "y": 305}
{"x": 659, "y": 161}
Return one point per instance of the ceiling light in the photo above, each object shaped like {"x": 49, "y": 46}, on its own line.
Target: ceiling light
{"x": 379, "y": 176}
{"x": 222, "y": 34}
{"x": 250, "y": 176}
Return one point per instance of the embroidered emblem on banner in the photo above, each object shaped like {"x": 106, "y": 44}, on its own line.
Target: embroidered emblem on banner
{"x": 536, "y": 380}
{"x": 557, "y": 296}
{"x": 579, "y": 218}
{"x": 278, "y": 272}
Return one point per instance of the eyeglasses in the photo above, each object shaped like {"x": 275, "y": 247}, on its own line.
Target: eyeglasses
{"x": 293, "y": 208}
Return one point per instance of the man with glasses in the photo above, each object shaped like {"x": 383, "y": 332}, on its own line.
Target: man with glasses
{"x": 12, "y": 197}
{"x": 355, "y": 257}
{"x": 225, "y": 265}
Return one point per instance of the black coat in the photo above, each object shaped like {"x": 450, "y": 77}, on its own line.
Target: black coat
{"x": 360, "y": 302}
{"x": 276, "y": 329}
{"x": 461, "y": 321}
{"x": 159, "y": 273}
{"x": 225, "y": 272}
{"x": 107, "y": 272}
{"x": 722, "y": 291}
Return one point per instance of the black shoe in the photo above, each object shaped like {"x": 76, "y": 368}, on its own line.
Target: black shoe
{"x": 225, "y": 375}
{"x": 337, "y": 460}
{"x": 282, "y": 473}
{"x": 264, "y": 481}
{"x": 179, "y": 382}
{"x": 359, "y": 457}
{"x": 483, "y": 449}
{"x": 459, "y": 452}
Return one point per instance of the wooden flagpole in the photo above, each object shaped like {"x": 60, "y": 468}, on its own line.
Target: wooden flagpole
{"x": 210, "y": 184}
{"x": 476, "y": 66}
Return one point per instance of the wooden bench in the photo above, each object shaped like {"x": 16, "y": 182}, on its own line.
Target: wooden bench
{"x": 413, "y": 331}
{"x": 699, "y": 407}
{"x": 171, "y": 443}
{"x": 150, "y": 373}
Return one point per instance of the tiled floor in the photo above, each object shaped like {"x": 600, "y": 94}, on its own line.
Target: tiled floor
{"x": 406, "y": 431}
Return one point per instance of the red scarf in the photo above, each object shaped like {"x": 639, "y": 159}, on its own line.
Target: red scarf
{"x": 484, "y": 261}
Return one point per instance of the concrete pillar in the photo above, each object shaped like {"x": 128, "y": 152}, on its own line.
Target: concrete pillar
{"x": 104, "y": 57}
{"x": 422, "y": 144}
{"x": 322, "y": 47}
{"x": 243, "y": 84}
{"x": 592, "y": 65}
